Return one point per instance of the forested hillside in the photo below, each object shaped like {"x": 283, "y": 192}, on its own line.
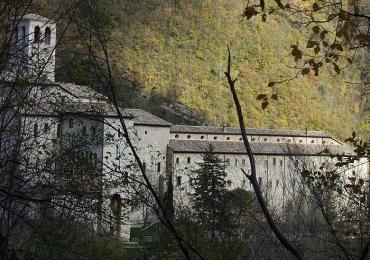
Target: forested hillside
{"x": 177, "y": 49}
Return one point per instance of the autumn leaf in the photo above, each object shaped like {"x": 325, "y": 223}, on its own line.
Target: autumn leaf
{"x": 296, "y": 52}
{"x": 274, "y": 96}
{"x": 261, "y": 96}
{"x": 271, "y": 84}
{"x": 315, "y": 7}
{"x": 264, "y": 104}
{"x": 311, "y": 44}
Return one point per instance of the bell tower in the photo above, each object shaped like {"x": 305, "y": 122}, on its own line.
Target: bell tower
{"x": 35, "y": 42}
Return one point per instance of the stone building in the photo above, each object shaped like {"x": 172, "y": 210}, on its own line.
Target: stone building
{"x": 49, "y": 116}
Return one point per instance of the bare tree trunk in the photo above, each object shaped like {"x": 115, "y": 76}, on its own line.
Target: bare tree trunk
{"x": 252, "y": 177}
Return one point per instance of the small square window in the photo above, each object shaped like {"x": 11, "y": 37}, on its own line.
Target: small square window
{"x": 177, "y": 160}
{"x": 146, "y": 132}
{"x": 273, "y": 161}
{"x": 188, "y": 159}
{"x": 178, "y": 180}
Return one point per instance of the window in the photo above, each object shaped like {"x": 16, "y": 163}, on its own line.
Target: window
{"x": 243, "y": 162}
{"x": 277, "y": 183}
{"x": 215, "y": 138}
{"x": 46, "y": 128}
{"x": 119, "y": 131}
{"x": 253, "y": 139}
{"x": 178, "y": 180}
{"x": 188, "y": 159}
{"x": 281, "y": 162}
{"x": 312, "y": 141}
{"x": 23, "y": 34}
{"x": 71, "y": 123}
{"x": 323, "y": 142}
{"x": 240, "y": 139}
{"x": 146, "y": 132}
{"x": 273, "y": 161}
{"x": 189, "y": 136}
{"x": 47, "y": 36}
{"x": 228, "y": 138}
{"x": 202, "y": 137}
{"x": 260, "y": 181}
{"x": 176, "y": 136}
{"x": 16, "y": 35}
{"x": 159, "y": 167}
{"x": 59, "y": 130}
{"x": 300, "y": 140}
{"x": 177, "y": 160}
{"x": 278, "y": 140}
{"x": 265, "y": 139}
{"x": 236, "y": 162}
{"x": 144, "y": 166}
{"x": 37, "y": 34}
{"x": 227, "y": 161}
{"x": 35, "y": 130}
{"x": 289, "y": 140}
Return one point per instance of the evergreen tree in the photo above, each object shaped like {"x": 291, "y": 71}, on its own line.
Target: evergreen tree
{"x": 209, "y": 190}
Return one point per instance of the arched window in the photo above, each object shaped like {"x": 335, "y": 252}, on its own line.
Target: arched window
{"x": 202, "y": 137}
{"x": 46, "y": 128}
{"x": 176, "y": 136}
{"x": 37, "y": 34}
{"x": 189, "y": 136}
{"x": 35, "y": 130}
{"x": 47, "y": 36}
{"x": 228, "y": 138}
{"x": 116, "y": 207}
{"x": 215, "y": 138}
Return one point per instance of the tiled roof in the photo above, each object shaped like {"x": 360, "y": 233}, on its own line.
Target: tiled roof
{"x": 197, "y": 146}
{"x": 250, "y": 131}
{"x": 142, "y": 117}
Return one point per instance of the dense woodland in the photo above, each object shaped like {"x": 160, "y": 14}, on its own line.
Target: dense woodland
{"x": 176, "y": 51}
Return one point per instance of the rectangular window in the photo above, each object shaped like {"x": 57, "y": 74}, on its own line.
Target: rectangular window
{"x": 277, "y": 183}
{"x": 273, "y": 161}
{"x": 243, "y": 162}
{"x": 260, "y": 181}
{"x": 188, "y": 159}
{"x": 159, "y": 167}
{"x": 178, "y": 180}
{"x": 177, "y": 160}
{"x": 281, "y": 162}
{"x": 227, "y": 161}
{"x": 236, "y": 162}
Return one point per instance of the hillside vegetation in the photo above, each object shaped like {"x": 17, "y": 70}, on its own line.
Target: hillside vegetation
{"x": 177, "y": 49}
